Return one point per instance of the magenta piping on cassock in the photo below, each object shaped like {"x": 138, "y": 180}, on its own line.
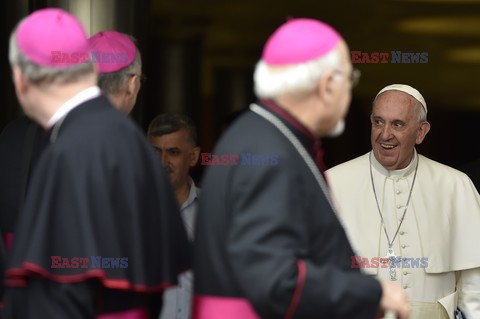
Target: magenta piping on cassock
{"x": 210, "y": 307}
{"x": 7, "y": 239}
{"x": 140, "y": 313}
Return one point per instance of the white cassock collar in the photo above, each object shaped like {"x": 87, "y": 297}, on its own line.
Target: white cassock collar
{"x": 395, "y": 173}
{"x": 76, "y": 100}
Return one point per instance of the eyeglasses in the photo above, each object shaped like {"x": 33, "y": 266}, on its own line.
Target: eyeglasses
{"x": 142, "y": 77}
{"x": 354, "y": 76}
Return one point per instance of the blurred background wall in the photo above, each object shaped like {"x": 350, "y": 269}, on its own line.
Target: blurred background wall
{"x": 199, "y": 58}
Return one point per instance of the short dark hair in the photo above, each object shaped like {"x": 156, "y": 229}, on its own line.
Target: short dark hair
{"x": 171, "y": 122}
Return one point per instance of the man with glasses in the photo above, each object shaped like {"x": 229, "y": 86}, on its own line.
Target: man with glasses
{"x": 411, "y": 220}
{"x": 268, "y": 243}
{"x": 119, "y": 64}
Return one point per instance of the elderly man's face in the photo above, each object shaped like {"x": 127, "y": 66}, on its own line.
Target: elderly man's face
{"x": 177, "y": 155}
{"x": 396, "y": 129}
{"x": 341, "y": 92}
{"x": 347, "y": 70}
{"x": 133, "y": 86}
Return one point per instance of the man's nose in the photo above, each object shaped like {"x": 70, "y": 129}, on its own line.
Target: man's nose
{"x": 386, "y": 132}
{"x": 164, "y": 158}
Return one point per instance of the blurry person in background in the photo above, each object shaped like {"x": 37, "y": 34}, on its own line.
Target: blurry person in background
{"x": 268, "y": 242}
{"x": 119, "y": 66}
{"x": 99, "y": 234}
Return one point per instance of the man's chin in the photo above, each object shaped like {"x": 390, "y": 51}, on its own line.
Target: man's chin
{"x": 387, "y": 161}
{"x": 338, "y": 129}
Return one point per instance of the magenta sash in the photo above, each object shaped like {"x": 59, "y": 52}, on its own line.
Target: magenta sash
{"x": 210, "y": 307}
{"x": 140, "y": 313}
{"x": 8, "y": 238}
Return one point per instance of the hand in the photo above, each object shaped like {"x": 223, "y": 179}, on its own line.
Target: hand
{"x": 394, "y": 300}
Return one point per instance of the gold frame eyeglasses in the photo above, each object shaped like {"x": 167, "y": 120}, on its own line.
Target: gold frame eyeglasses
{"x": 354, "y": 76}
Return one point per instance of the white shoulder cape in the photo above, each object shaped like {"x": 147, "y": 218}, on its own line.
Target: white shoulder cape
{"x": 445, "y": 201}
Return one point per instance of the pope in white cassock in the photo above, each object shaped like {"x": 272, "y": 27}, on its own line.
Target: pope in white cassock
{"x": 421, "y": 216}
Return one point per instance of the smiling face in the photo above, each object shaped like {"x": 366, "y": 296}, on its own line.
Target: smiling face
{"x": 396, "y": 129}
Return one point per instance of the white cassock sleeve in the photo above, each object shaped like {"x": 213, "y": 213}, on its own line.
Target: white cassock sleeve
{"x": 468, "y": 287}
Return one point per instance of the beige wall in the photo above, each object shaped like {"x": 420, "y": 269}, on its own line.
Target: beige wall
{"x": 98, "y": 15}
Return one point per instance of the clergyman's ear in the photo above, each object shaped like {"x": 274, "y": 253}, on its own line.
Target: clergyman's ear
{"x": 422, "y": 132}
{"x": 19, "y": 81}
{"x": 131, "y": 84}
{"x": 327, "y": 86}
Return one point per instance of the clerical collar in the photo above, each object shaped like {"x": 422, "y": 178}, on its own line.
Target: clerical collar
{"x": 308, "y": 140}
{"x": 398, "y": 172}
{"x": 285, "y": 116}
{"x": 76, "y": 100}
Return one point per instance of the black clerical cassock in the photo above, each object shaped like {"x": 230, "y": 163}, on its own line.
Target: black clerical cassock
{"x": 21, "y": 144}
{"x": 268, "y": 243}
{"x": 100, "y": 232}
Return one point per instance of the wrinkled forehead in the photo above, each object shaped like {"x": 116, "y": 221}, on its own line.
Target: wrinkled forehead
{"x": 394, "y": 103}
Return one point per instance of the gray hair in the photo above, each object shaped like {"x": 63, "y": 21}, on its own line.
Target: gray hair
{"x": 272, "y": 81}
{"x": 168, "y": 123}
{"x": 421, "y": 114}
{"x": 113, "y": 82}
{"x": 38, "y": 74}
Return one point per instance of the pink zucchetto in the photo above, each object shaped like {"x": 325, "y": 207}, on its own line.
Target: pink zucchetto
{"x": 52, "y": 38}
{"x": 112, "y": 51}
{"x": 298, "y": 41}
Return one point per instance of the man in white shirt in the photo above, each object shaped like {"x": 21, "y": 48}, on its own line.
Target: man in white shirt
{"x": 174, "y": 138}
